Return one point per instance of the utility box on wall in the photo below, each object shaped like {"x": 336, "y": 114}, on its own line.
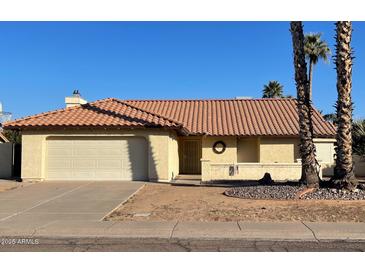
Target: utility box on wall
{"x": 6, "y": 160}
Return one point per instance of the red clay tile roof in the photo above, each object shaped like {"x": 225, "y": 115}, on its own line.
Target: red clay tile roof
{"x": 104, "y": 113}
{"x": 229, "y": 117}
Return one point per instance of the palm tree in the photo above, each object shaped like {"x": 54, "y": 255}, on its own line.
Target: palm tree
{"x": 315, "y": 49}
{"x": 310, "y": 170}
{"x": 273, "y": 90}
{"x": 344, "y": 176}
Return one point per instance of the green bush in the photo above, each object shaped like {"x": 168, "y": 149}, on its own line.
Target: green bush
{"x": 358, "y": 137}
{"x": 13, "y": 136}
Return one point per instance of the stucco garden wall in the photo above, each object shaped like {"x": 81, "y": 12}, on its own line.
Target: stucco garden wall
{"x": 34, "y": 145}
{"x": 250, "y": 171}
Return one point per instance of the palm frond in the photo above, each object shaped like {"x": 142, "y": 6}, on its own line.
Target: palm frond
{"x": 315, "y": 48}
{"x": 358, "y": 137}
{"x": 273, "y": 90}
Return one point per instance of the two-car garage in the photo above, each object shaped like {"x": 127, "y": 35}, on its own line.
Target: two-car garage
{"x": 96, "y": 158}
{"x": 108, "y": 139}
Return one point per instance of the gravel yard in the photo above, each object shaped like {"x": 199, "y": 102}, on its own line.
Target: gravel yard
{"x": 290, "y": 191}
{"x": 163, "y": 202}
{"x": 272, "y": 192}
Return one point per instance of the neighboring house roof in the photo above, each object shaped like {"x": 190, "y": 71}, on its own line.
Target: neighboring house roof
{"x": 222, "y": 117}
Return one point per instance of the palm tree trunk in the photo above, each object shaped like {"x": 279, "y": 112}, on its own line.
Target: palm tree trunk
{"x": 344, "y": 176}
{"x": 310, "y": 170}
{"x": 310, "y": 79}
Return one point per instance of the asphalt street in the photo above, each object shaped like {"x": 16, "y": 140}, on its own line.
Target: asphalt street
{"x": 177, "y": 245}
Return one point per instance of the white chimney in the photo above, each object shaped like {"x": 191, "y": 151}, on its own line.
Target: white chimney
{"x": 75, "y": 100}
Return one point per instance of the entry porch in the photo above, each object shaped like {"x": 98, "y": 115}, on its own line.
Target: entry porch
{"x": 245, "y": 158}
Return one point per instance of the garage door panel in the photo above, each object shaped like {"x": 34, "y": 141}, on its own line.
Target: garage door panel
{"x": 99, "y": 159}
{"x": 86, "y": 151}
{"x": 108, "y": 174}
{"x": 59, "y": 174}
{"x": 59, "y": 163}
{"x": 83, "y": 174}
{"x": 110, "y": 163}
{"x": 110, "y": 152}
{"x": 126, "y": 164}
{"x": 84, "y": 163}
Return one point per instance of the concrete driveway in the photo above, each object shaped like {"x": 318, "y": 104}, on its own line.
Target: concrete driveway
{"x": 40, "y": 204}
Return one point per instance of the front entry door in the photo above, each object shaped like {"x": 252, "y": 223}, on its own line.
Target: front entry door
{"x": 190, "y": 155}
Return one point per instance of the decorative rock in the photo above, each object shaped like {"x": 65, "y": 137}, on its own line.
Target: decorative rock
{"x": 361, "y": 186}
{"x": 290, "y": 191}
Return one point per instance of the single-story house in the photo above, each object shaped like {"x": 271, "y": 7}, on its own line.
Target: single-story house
{"x": 157, "y": 140}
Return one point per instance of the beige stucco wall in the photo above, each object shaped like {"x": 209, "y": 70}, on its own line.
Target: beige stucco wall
{"x": 229, "y": 156}
{"x": 251, "y": 171}
{"x": 359, "y": 167}
{"x": 325, "y": 154}
{"x": 33, "y": 156}
{"x": 278, "y": 156}
{"x": 325, "y": 151}
{"x": 248, "y": 150}
{"x": 163, "y": 156}
{"x": 266, "y": 151}
{"x": 263, "y": 150}
{"x": 278, "y": 150}
{"x": 173, "y": 156}
{"x": 161, "y": 147}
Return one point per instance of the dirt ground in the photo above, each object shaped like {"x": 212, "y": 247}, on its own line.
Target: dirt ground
{"x": 3, "y": 188}
{"x": 163, "y": 202}
{"x": 9, "y": 185}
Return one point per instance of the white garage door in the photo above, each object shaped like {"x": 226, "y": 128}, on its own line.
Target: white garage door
{"x": 97, "y": 159}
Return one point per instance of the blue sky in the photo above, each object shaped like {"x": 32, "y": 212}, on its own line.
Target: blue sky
{"x": 42, "y": 62}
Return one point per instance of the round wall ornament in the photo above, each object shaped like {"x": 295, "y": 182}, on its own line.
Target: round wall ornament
{"x": 219, "y": 147}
